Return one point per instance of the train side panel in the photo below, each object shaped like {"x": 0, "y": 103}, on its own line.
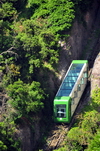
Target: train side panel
{"x": 79, "y": 88}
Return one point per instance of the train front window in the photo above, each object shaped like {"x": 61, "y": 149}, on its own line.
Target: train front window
{"x": 61, "y": 111}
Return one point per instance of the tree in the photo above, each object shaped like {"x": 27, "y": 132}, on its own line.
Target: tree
{"x": 7, "y": 139}
{"x": 95, "y": 101}
{"x": 52, "y": 11}
{"x": 94, "y": 144}
{"x": 25, "y": 98}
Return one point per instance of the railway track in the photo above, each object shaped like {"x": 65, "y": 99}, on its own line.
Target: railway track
{"x": 56, "y": 137}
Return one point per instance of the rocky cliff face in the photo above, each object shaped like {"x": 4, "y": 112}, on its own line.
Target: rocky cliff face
{"x": 95, "y": 76}
{"x": 28, "y": 133}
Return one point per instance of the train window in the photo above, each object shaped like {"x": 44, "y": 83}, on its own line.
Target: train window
{"x": 85, "y": 75}
{"x": 82, "y": 81}
{"x": 61, "y": 111}
{"x": 72, "y": 102}
{"x": 79, "y": 87}
{"x": 75, "y": 94}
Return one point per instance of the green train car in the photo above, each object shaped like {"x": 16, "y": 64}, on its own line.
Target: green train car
{"x": 70, "y": 91}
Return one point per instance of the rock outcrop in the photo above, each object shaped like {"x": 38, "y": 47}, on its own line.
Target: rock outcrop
{"x": 95, "y": 76}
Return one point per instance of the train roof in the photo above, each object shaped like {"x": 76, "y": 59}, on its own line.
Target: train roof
{"x": 79, "y": 61}
{"x": 71, "y": 77}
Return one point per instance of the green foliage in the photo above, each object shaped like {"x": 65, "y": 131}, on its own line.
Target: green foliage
{"x": 5, "y": 35}
{"x": 86, "y": 129}
{"x": 7, "y": 10}
{"x": 91, "y": 118}
{"x": 11, "y": 71}
{"x": 96, "y": 98}
{"x": 7, "y": 140}
{"x": 38, "y": 45}
{"x": 2, "y": 146}
{"x": 25, "y": 98}
{"x": 94, "y": 144}
{"x": 7, "y": 14}
{"x": 61, "y": 149}
{"x": 80, "y": 137}
{"x": 52, "y": 11}
{"x": 70, "y": 145}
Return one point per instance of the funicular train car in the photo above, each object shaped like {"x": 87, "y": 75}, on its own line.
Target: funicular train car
{"x": 70, "y": 91}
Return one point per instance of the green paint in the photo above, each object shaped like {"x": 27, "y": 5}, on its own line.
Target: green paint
{"x": 62, "y": 98}
{"x": 79, "y": 61}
